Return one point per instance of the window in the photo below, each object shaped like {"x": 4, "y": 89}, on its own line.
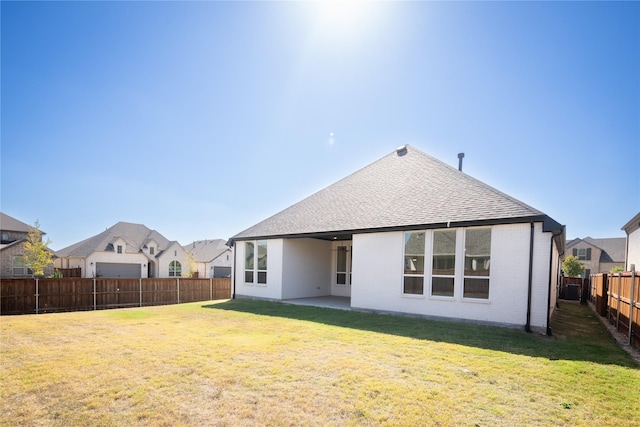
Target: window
{"x": 413, "y": 263}
{"x": 477, "y": 258}
{"x": 583, "y": 254}
{"x": 152, "y": 250}
{"x": 443, "y": 263}
{"x": 248, "y": 262}
{"x": 119, "y": 249}
{"x": 175, "y": 269}
{"x": 253, "y": 269}
{"x": 262, "y": 262}
{"x": 19, "y": 267}
{"x": 341, "y": 265}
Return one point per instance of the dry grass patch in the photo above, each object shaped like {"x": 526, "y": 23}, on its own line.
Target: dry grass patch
{"x": 260, "y": 363}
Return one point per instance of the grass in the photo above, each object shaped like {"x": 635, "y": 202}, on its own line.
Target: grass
{"x": 260, "y": 363}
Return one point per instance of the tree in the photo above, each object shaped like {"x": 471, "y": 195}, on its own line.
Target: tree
{"x": 193, "y": 265}
{"x": 572, "y": 267}
{"x": 36, "y": 254}
{"x": 617, "y": 269}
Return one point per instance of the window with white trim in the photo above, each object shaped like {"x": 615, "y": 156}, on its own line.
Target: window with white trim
{"x": 119, "y": 249}
{"x": 262, "y": 262}
{"x": 175, "y": 269}
{"x": 19, "y": 267}
{"x": 443, "y": 267}
{"x": 255, "y": 268}
{"x": 413, "y": 283}
{"x": 477, "y": 259}
{"x": 248, "y": 262}
{"x": 344, "y": 258}
{"x": 583, "y": 254}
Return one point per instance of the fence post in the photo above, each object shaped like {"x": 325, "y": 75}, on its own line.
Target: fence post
{"x": 631, "y": 304}
{"x": 37, "y": 296}
{"x": 609, "y": 288}
{"x": 618, "y": 308}
{"x": 210, "y": 288}
{"x": 178, "y": 286}
{"x": 140, "y": 292}
{"x": 94, "y": 294}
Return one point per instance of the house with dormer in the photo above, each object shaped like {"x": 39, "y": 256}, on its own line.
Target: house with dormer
{"x": 126, "y": 250}
{"x": 597, "y": 255}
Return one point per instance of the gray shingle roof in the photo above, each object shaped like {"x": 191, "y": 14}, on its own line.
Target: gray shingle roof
{"x": 405, "y": 188}
{"x": 136, "y": 235}
{"x": 613, "y": 248}
{"x": 8, "y": 223}
{"x": 206, "y": 250}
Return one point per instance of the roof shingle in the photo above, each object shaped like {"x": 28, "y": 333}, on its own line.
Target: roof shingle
{"x": 402, "y": 189}
{"x": 135, "y": 235}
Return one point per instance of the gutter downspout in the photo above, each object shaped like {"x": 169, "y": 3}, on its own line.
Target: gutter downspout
{"x": 233, "y": 273}
{"x": 527, "y": 326}
{"x": 553, "y": 236}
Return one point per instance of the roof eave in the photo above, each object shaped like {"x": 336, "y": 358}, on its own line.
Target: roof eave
{"x": 549, "y": 225}
{"x": 631, "y": 223}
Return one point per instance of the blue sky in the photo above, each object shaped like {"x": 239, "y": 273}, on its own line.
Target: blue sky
{"x": 200, "y": 119}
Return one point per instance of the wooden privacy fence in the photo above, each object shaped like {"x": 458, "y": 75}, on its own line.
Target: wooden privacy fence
{"x": 617, "y": 296}
{"x": 33, "y": 296}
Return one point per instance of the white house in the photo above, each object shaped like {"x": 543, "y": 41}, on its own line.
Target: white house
{"x": 211, "y": 258}
{"x": 126, "y": 250}
{"x": 409, "y": 234}
{"x": 632, "y": 253}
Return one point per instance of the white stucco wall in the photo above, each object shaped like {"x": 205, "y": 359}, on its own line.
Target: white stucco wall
{"x": 273, "y": 288}
{"x": 633, "y": 249}
{"x": 174, "y": 252}
{"x": 306, "y": 271}
{"x": 378, "y": 277}
{"x": 377, "y": 273}
{"x": 224, "y": 260}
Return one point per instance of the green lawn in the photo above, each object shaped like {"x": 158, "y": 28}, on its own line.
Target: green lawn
{"x": 260, "y": 363}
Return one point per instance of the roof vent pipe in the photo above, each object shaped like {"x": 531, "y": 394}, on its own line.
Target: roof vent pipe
{"x": 460, "y": 157}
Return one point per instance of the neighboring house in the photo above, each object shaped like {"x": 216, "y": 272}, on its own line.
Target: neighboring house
{"x": 597, "y": 255}
{"x": 126, "y": 250}
{"x": 14, "y": 235}
{"x": 409, "y": 234}
{"x": 632, "y": 244}
{"x": 211, "y": 258}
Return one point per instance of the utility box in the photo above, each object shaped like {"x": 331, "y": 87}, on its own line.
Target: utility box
{"x": 572, "y": 291}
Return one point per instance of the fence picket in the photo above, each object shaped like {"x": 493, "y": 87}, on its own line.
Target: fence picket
{"x": 618, "y": 290}
{"x": 29, "y": 295}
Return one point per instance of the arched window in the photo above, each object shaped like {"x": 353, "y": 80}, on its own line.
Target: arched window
{"x": 175, "y": 269}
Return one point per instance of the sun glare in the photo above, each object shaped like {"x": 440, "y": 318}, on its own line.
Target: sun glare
{"x": 342, "y": 20}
